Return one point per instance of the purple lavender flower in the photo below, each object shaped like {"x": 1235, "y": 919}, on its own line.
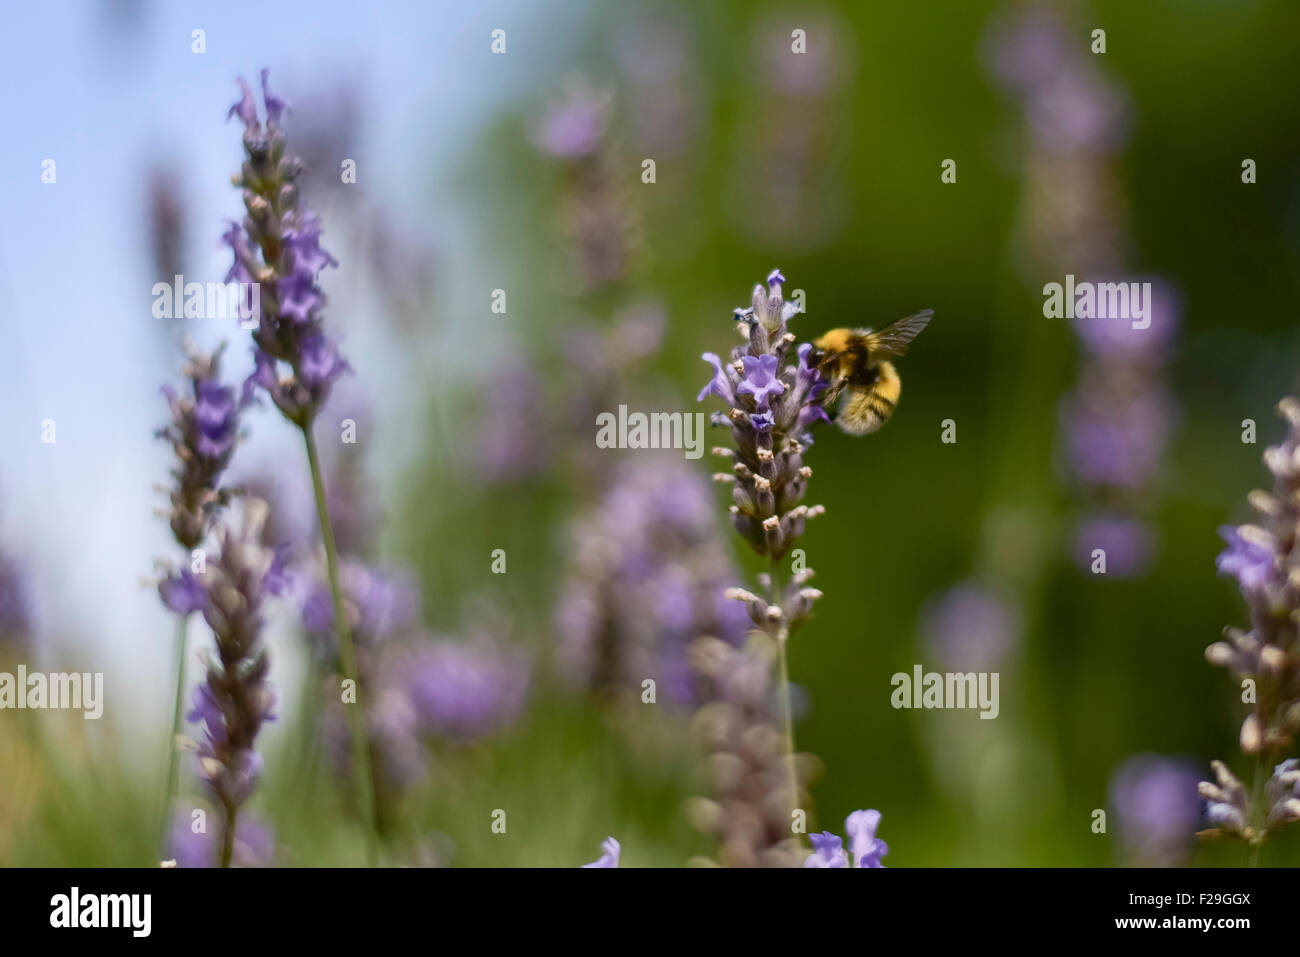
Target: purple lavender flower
{"x": 1157, "y": 809}
{"x": 1120, "y": 445}
{"x": 970, "y": 627}
{"x": 183, "y": 593}
{"x": 278, "y": 246}
{"x": 760, "y": 379}
{"x": 1118, "y": 339}
{"x": 655, "y": 59}
{"x": 1263, "y": 560}
{"x": 15, "y": 611}
{"x": 738, "y": 728}
{"x": 609, "y": 858}
{"x": 235, "y": 698}
{"x": 828, "y": 850}
{"x": 392, "y": 727}
{"x": 1126, "y": 542}
{"x": 464, "y": 691}
{"x": 575, "y": 127}
{"x": 650, "y": 576}
{"x": 1069, "y": 106}
{"x": 254, "y": 844}
{"x": 203, "y": 430}
{"x": 597, "y": 215}
{"x": 720, "y": 384}
{"x": 773, "y": 410}
{"x": 867, "y": 848}
{"x": 513, "y": 442}
{"x": 1250, "y": 557}
{"x": 380, "y": 603}
{"x": 167, "y": 227}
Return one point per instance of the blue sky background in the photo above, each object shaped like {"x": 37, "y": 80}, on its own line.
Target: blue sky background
{"x": 109, "y": 91}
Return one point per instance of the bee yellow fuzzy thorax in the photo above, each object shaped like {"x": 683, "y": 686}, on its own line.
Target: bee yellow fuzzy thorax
{"x": 834, "y": 341}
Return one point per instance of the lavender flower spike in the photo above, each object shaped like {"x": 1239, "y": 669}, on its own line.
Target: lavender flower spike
{"x": 1266, "y": 566}
{"x": 278, "y": 246}
{"x": 296, "y": 362}
{"x": 612, "y": 850}
{"x": 775, "y": 399}
{"x": 828, "y": 850}
{"x": 203, "y": 430}
{"x": 235, "y": 698}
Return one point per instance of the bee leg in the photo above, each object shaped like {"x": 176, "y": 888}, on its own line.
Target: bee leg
{"x": 832, "y": 394}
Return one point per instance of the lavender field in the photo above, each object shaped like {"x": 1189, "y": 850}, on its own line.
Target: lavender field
{"x": 655, "y": 434}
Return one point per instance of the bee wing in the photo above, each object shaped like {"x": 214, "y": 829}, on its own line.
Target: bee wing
{"x": 893, "y": 340}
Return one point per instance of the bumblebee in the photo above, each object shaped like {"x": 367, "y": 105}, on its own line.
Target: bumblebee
{"x": 856, "y": 362}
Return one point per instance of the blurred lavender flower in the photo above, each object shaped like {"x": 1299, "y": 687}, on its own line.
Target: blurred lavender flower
{"x": 649, "y": 576}
{"x": 799, "y": 182}
{"x": 466, "y": 690}
{"x": 738, "y": 729}
{"x": 608, "y": 358}
{"x": 1126, "y": 542}
{"x": 654, "y": 56}
{"x": 396, "y": 750}
{"x": 254, "y": 844}
{"x": 235, "y": 698}
{"x": 610, "y": 857}
{"x": 278, "y": 246}
{"x": 381, "y": 604}
{"x": 1157, "y": 809}
{"x": 203, "y": 430}
{"x": 828, "y": 850}
{"x": 1116, "y": 426}
{"x": 575, "y": 126}
{"x": 15, "y": 610}
{"x": 1069, "y": 105}
{"x": 382, "y": 607}
{"x": 1075, "y": 119}
{"x": 597, "y": 215}
{"x": 970, "y": 627}
{"x": 166, "y": 219}
{"x": 1262, "y": 557}
{"x": 512, "y": 446}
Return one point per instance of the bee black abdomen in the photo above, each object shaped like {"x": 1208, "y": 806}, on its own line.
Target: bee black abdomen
{"x": 864, "y": 376}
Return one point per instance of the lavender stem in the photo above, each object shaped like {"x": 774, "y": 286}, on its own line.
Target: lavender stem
{"x": 228, "y": 834}
{"x": 1258, "y": 813}
{"x": 356, "y": 718}
{"x": 787, "y": 710}
{"x": 178, "y": 709}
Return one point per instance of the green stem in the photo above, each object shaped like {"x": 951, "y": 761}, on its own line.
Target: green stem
{"x": 787, "y": 710}
{"x": 347, "y": 657}
{"x": 178, "y": 708}
{"x": 1256, "y": 814}
{"x": 228, "y": 835}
